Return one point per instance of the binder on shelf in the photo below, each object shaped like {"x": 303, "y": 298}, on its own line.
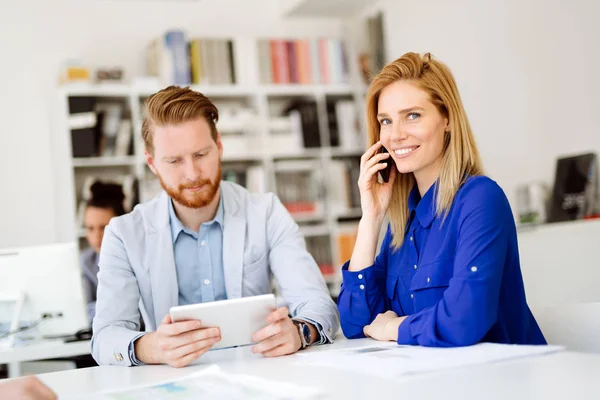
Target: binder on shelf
{"x": 319, "y": 247}
{"x": 84, "y": 126}
{"x": 309, "y": 121}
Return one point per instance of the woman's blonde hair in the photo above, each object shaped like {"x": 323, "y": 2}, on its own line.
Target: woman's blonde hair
{"x": 460, "y": 155}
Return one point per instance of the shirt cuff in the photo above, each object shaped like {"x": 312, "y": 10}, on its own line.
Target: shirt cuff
{"x": 358, "y": 280}
{"x": 131, "y": 351}
{"x": 322, "y": 336}
{"x": 404, "y": 334}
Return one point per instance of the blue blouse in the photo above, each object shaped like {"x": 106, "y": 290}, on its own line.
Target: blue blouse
{"x": 459, "y": 281}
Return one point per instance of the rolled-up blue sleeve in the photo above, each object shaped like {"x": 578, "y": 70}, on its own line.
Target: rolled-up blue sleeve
{"x": 362, "y": 296}
{"x": 469, "y": 306}
{"x": 134, "y": 360}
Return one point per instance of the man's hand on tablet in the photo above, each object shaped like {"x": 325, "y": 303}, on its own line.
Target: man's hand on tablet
{"x": 176, "y": 343}
{"x": 279, "y": 338}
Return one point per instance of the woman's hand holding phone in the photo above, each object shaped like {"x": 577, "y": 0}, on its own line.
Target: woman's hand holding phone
{"x": 375, "y": 200}
{"x": 374, "y": 196}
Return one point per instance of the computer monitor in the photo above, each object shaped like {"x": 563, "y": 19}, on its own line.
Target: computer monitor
{"x": 49, "y": 276}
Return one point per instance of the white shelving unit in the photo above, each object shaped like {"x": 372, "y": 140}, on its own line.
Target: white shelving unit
{"x": 259, "y": 97}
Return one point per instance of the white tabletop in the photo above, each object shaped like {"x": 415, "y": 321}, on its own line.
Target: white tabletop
{"x": 43, "y": 350}
{"x": 563, "y": 375}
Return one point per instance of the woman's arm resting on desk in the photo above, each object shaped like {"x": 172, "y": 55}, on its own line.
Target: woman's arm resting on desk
{"x": 362, "y": 296}
{"x": 384, "y": 327}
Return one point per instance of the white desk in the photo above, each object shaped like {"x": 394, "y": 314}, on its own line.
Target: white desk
{"x": 40, "y": 350}
{"x": 565, "y": 375}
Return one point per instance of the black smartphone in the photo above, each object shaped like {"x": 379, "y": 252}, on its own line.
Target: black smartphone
{"x": 385, "y": 173}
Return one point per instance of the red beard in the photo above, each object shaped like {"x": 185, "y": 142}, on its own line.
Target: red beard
{"x": 196, "y": 199}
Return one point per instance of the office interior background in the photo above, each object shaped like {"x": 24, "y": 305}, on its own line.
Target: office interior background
{"x": 527, "y": 72}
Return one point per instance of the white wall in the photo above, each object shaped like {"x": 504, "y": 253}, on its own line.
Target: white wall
{"x": 527, "y": 72}
{"x": 36, "y": 36}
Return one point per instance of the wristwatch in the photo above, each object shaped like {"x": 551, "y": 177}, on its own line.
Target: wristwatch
{"x": 304, "y": 332}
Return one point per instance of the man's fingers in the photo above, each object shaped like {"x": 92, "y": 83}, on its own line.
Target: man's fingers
{"x": 187, "y": 360}
{"x": 172, "y": 342}
{"x": 167, "y": 319}
{"x": 280, "y": 350}
{"x": 267, "y": 332}
{"x": 177, "y": 328}
{"x": 280, "y": 313}
{"x": 193, "y": 347}
{"x": 195, "y": 336}
{"x": 268, "y": 344}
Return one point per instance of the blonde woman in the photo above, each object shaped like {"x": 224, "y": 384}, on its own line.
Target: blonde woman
{"x": 448, "y": 271}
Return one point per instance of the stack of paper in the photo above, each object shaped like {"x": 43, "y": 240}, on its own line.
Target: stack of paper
{"x": 211, "y": 384}
{"x": 388, "y": 360}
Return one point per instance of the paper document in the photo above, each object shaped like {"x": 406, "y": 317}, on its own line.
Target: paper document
{"x": 211, "y": 384}
{"x": 390, "y": 360}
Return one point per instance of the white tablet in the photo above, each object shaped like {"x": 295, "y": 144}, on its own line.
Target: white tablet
{"x": 238, "y": 319}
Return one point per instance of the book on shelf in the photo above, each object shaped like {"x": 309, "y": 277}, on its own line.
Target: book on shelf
{"x": 167, "y": 58}
{"x": 346, "y": 239}
{"x": 342, "y": 187}
{"x": 212, "y": 61}
{"x": 305, "y": 119}
{"x": 149, "y": 188}
{"x": 304, "y": 128}
{"x": 320, "y": 248}
{"x": 252, "y": 178}
{"x": 116, "y": 129}
{"x": 299, "y": 191}
{"x": 175, "y": 59}
{"x": 376, "y": 56}
{"x": 342, "y": 119}
{"x": 303, "y": 61}
{"x": 285, "y": 134}
{"x": 238, "y": 126}
{"x": 124, "y": 138}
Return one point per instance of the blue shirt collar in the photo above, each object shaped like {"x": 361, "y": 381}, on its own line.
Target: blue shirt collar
{"x": 177, "y": 226}
{"x": 423, "y": 207}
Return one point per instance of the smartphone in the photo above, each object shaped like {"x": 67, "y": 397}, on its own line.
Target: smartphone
{"x": 385, "y": 173}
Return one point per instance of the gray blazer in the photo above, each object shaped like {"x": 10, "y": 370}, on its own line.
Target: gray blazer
{"x": 138, "y": 275}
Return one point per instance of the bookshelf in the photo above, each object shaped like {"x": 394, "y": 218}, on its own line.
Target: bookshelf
{"x": 263, "y": 137}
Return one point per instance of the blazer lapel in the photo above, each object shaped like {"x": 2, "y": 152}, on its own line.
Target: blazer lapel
{"x": 161, "y": 261}
{"x": 234, "y": 237}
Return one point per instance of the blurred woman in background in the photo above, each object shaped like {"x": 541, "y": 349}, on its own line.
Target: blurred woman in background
{"x": 106, "y": 202}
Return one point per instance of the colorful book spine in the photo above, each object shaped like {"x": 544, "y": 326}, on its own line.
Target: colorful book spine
{"x": 177, "y": 46}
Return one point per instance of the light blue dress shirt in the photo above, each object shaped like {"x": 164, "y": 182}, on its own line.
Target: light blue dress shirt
{"x": 199, "y": 259}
